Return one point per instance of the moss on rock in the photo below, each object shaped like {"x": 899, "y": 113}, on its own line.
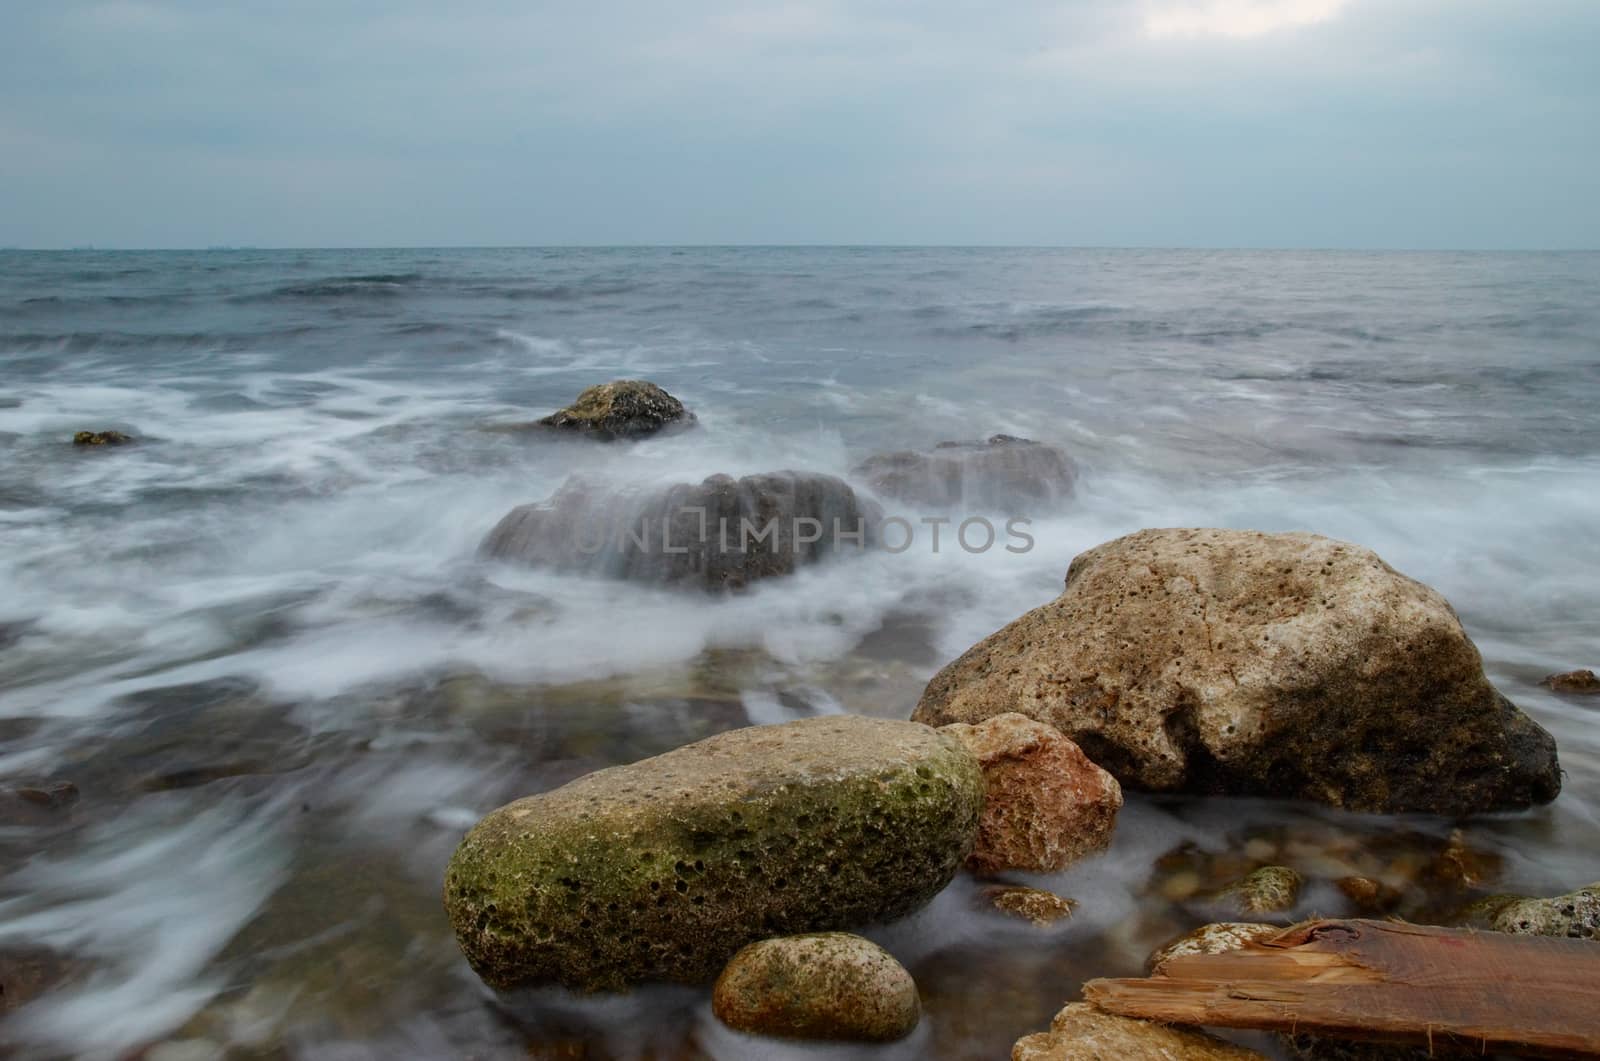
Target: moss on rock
{"x": 623, "y": 408}
{"x": 662, "y": 869}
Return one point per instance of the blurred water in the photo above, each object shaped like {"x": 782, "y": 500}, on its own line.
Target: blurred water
{"x": 261, "y": 645}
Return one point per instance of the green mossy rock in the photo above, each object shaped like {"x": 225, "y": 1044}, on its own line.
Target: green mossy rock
{"x": 822, "y": 986}
{"x": 663, "y": 869}
{"x": 623, "y": 408}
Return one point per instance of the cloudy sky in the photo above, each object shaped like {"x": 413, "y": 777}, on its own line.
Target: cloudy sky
{"x": 1310, "y": 123}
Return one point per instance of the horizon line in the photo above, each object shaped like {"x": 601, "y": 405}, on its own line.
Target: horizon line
{"x": 256, "y": 247}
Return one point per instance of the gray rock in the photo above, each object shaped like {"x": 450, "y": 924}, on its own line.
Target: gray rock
{"x": 1002, "y": 473}
{"x": 721, "y": 533}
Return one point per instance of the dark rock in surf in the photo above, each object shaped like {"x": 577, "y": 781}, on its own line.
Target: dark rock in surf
{"x": 1286, "y": 665}
{"x": 624, "y": 408}
{"x": 719, "y": 534}
{"x": 1576, "y": 683}
{"x": 1002, "y": 473}
{"x": 101, "y": 438}
{"x": 663, "y": 869}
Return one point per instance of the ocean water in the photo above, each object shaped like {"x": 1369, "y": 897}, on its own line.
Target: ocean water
{"x": 262, "y": 647}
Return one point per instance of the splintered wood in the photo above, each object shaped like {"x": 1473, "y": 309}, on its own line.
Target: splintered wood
{"x": 1384, "y": 981}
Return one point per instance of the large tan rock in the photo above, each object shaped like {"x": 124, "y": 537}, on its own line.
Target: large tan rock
{"x": 1082, "y": 1033}
{"x": 1289, "y": 665}
{"x": 821, "y": 986}
{"x": 1047, "y": 804}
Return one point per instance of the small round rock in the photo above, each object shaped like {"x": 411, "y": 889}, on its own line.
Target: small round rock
{"x": 821, "y": 986}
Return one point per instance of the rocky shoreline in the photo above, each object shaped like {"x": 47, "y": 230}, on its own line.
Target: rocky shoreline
{"x": 1215, "y": 663}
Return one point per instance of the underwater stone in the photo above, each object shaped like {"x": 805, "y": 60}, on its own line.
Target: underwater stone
{"x": 1034, "y": 905}
{"x": 1578, "y": 682}
{"x": 823, "y": 986}
{"x": 1268, "y": 890}
{"x": 662, "y": 869}
{"x": 1001, "y": 474}
{"x": 1282, "y": 665}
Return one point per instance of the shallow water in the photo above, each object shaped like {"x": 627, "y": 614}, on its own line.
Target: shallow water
{"x": 262, "y": 647}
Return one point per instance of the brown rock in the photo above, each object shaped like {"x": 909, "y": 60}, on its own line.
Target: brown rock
{"x": 101, "y": 438}
{"x": 1286, "y": 665}
{"x": 624, "y": 408}
{"x": 1577, "y": 682}
{"x": 1082, "y": 1033}
{"x": 827, "y": 985}
{"x": 1040, "y": 907}
{"x": 1047, "y": 804}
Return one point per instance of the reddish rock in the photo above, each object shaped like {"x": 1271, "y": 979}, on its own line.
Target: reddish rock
{"x": 1047, "y": 804}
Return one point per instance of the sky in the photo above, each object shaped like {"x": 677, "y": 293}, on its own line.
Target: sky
{"x": 1450, "y": 124}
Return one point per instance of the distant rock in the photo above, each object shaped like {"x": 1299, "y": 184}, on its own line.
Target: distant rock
{"x": 1082, "y": 1033}
{"x": 1035, "y": 905}
{"x": 663, "y": 869}
{"x": 721, "y": 533}
{"x": 1284, "y": 665}
{"x": 624, "y": 408}
{"x": 101, "y": 438}
{"x": 1047, "y": 804}
{"x": 1578, "y": 683}
{"x": 1000, "y": 474}
{"x": 822, "y": 986}
{"x": 1268, "y": 890}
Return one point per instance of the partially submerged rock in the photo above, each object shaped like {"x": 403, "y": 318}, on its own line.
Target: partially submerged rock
{"x": 1047, "y": 804}
{"x": 624, "y": 408}
{"x": 825, "y": 985}
{"x": 1268, "y": 890}
{"x": 1577, "y": 683}
{"x": 661, "y": 870}
{"x": 1217, "y": 938}
{"x": 1286, "y": 665}
{"x": 1575, "y": 915}
{"x": 1082, "y": 1033}
{"x": 1001, "y": 473}
{"x": 721, "y": 533}
{"x": 101, "y": 438}
{"x": 1034, "y": 905}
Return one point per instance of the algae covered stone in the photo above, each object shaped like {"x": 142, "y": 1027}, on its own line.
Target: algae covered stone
{"x": 1268, "y": 890}
{"x": 661, "y": 870}
{"x": 825, "y": 986}
{"x": 623, "y": 408}
{"x": 1284, "y": 665}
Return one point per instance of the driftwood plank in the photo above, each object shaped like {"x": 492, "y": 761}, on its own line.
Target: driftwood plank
{"x": 1385, "y": 981}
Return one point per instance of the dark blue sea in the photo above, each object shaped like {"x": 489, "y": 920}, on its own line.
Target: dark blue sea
{"x": 262, "y": 649}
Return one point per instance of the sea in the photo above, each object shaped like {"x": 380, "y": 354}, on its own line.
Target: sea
{"x": 256, "y": 679}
